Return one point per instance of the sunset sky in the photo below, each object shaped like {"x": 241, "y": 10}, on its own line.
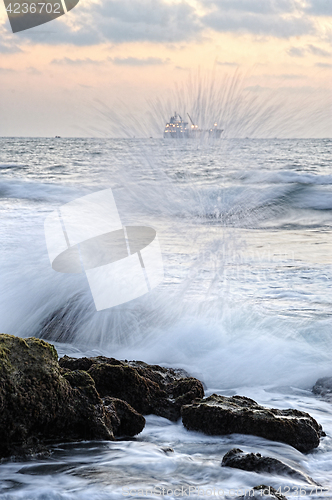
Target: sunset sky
{"x": 121, "y": 52}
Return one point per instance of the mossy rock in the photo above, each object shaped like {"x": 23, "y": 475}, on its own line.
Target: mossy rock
{"x": 125, "y": 420}
{"x": 38, "y": 405}
{"x": 125, "y": 383}
{"x": 147, "y": 388}
{"x": 82, "y": 381}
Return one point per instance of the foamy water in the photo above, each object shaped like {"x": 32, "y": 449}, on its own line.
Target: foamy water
{"x": 245, "y": 231}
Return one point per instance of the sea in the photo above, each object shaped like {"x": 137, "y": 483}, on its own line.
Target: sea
{"x": 245, "y": 230}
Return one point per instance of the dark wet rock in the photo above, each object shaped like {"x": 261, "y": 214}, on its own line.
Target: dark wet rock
{"x": 124, "y": 382}
{"x": 262, "y": 491}
{"x": 254, "y": 462}
{"x": 82, "y": 381}
{"x": 147, "y": 388}
{"x": 125, "y": 420}
{"x": 323, "y": 387}
{"x": 76, "y": 363}
{"x": 219, "y": 415}
{"x": 62, "y": 324}
{"x": 39, "y": 405}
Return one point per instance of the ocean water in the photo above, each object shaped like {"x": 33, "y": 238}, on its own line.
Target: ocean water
{"x": 245, "y": 229}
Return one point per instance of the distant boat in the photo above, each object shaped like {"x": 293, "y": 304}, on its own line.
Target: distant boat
{"x": 177, "y": 128}
{"x": 215, "y": 132}
{"x": 57, "y": 137}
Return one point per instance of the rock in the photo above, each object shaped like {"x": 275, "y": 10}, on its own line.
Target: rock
{"x": 263, "y": 491}
{"x": 219, "y": 415}
{"x": 84, "y": 363}
{"x": 125, "y": 420}
{"x": 62, "y": 324}
{"x": 76, "y": 363}
{"x": 323, "y": 387}
{"x": 82, "y": 381}
{"x": 39, "y": 405}
{"x": 124, "y": 382}
{"x": 254, "y": 462}
{"x": 147, "y": 388}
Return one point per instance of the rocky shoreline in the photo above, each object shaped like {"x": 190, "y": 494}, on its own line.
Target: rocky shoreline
{"x": 44, "y": 401}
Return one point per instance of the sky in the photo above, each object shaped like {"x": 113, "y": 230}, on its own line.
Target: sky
{"x": 124, "y": 55}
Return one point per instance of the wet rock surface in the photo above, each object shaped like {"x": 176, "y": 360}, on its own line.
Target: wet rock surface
{"x": 39, "y": 405}
{"x": 219, "y": 415}
{"x": 254, "y": 462}
{"x": 45, "y": 401}
{"x": 125, "y": 420}
{"x": 147, "y": 388}
{"x": 323, "y": 387}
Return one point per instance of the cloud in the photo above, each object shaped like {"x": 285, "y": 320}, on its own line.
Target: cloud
{"x": 159, "y": 21}
{"x": 296, "y": 52}
{"x": 256, "y": 88}
{"x": 33, "y": 71}
{"x": 278, "y": 18}
{"x": 285, "y": 76}
{"x": 6, "y": 48}
{"x": 305, "y": 89}
{"x": 125, "y": 21}
{"x": 290, "y": 76}
{"x": 319, "y": 52}
{"x": 277, "y": 7}
{"x": 120, "y": 21}
{"x": 76, "y": 62}
{"x": 226, "y": 63}
{"x": 261, "y": 7}
{"x": 301, "y": 51}
{"x": 7, "y": 43}
{"x": 134, "y": 61}
{"x": 319, "y": 7}
{"x": 323, "y": 65}
{"x": 259, "y": 24}
{"x": 7, "y": 70}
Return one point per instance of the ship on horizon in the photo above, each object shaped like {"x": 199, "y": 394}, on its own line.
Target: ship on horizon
{"x": 177, "y": 128}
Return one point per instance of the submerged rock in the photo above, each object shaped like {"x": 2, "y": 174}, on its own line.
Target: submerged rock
{"x": 167, "y": 450}
{"x": 39, "y": 405}
{"x": 254, "y": 462}
{"x": 323, "y": 387}
{"x": 219, "y": 415}
{"x": 263, "y": 491}
{"x": 147, "y": 388}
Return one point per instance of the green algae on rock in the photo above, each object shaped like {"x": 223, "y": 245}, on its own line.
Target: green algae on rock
{"x": 38, "y": 405}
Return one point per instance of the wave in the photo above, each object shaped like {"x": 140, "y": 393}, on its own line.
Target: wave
{"x": 39, "y": 192}
{"x": 196, "y": 320}
{"x": 225, "y": 340}
{"x": 285, "y": 177}
{"x": 13, "y": 166}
